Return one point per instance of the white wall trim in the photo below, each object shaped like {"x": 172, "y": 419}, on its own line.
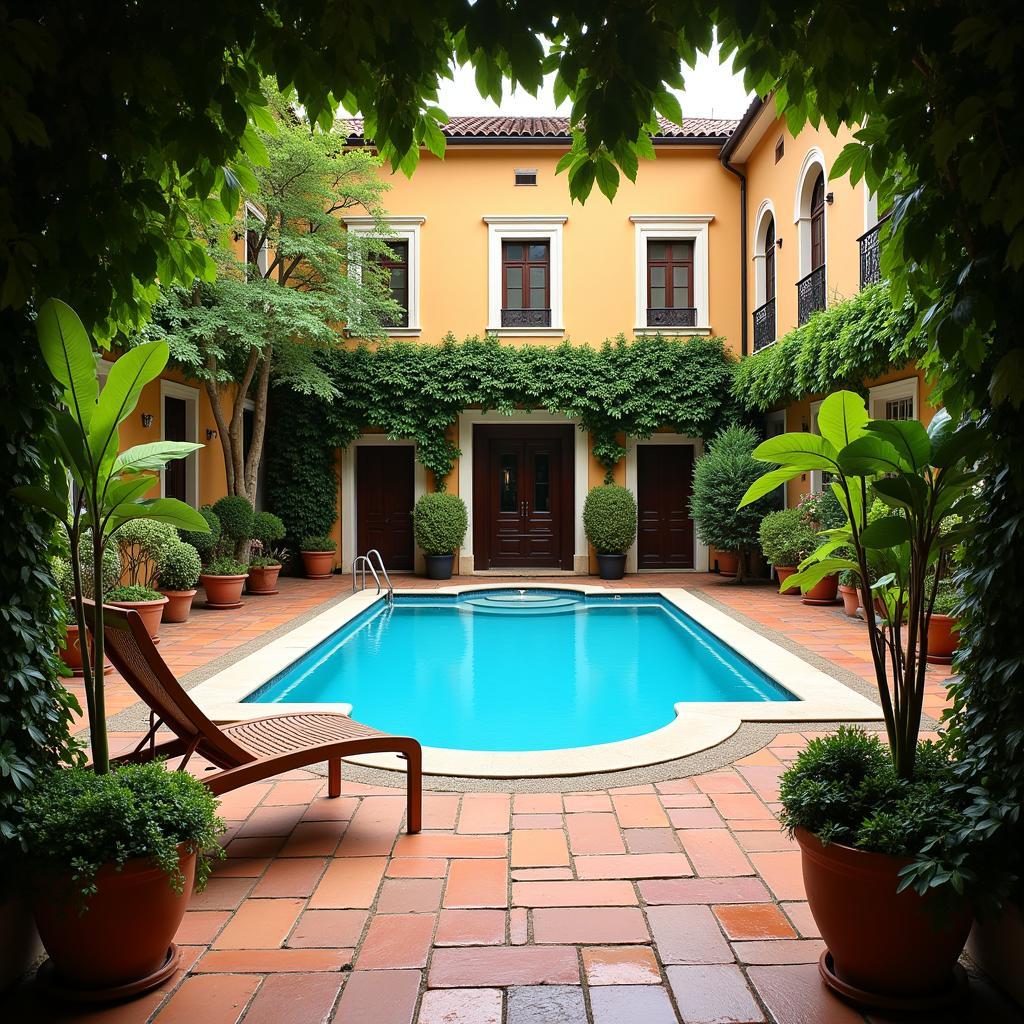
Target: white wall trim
{"x": 172, "y": 389}
{"x": 348, "y": 493}
{"x": 692, "y": 227}
{"x": 909, "y": 387}
{"x": 581, "y": 466}
{"x": 814, "y": 160}
{"x": 700, "y": 551}
{"x": 511, "y": 226}
{"x": 401, "y": 229}
{"x": 765, "y": 211}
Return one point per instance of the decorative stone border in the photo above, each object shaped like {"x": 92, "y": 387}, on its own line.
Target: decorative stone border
{"x": 698, "y": 725}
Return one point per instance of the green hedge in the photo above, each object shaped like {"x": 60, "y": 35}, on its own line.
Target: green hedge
{"x": 840, "y": 347}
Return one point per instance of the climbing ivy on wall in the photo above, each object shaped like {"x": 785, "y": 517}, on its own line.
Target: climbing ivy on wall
{"x": 840, "y": 347}
{"x": 414, "y": 391}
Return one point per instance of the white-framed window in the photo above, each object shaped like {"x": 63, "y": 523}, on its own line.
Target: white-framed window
{"x": 524, "y": 276}
{"x": 810, "y": 211}
{"x": 179, "y": 421}
{"x": 897, "y": 400}
{"x": 405, "y": 233}
{"x": 257, "y": 248}
{"x": 671, "y": 261}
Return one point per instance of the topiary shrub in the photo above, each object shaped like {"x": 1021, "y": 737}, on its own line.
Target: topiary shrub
{"x": 609, "y": 519}
{"x": 440, "y": 522}
{"x": 140, "y": 542}
{"x": 236, "y": 518}
{"x": 204, "y": 543}
{"x": 267, "y": 529}
{"x": 178, "y": 567}
{"x": 720, "y": 479}
{"x": 786, "y": 538}
{"x": 111, "y": 568}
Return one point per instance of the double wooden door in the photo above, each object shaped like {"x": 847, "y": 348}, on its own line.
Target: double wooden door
{"x": 523, "y": 485}
{"x": 385, "y": 494}
{"x": 665, "y": 535}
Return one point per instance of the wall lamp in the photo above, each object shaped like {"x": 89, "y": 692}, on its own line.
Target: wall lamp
{"x": 211, "y": 435}
{"x": 830, "y": 198}
{"x": 778, "y": 241}
{"x": 147, "y": 420}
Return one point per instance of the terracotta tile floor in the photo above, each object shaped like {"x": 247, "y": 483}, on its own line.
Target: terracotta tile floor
{"x": 674, "y": 902}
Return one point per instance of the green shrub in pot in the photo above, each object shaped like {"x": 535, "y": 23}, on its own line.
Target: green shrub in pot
{"x": 439, "y": 523}
{"x": 609, "y": 521}
{"x": 178, "y": 567}
{"x": 225, "y": 565}
{"x": 786, "y": 539}
{"x": 267, "y": 530}
{"x": 236, "y": 517}
{"x": 205, "y": 543}
{"x": 140, "y": 542}
{"x": 318, "y": 544}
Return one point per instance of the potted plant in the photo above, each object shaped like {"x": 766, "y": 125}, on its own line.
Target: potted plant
{"x": 720, "y": 478}
{"x": 178, "y": 569}
{"x": 609, "y": 521}
{"x": 439, "y": 523}
{"x": 149, "y": 603}
{"x": 893, "y": 925}
{"x": 786, "y": 540}
{"x": 943, "y": 632}
{"x": 267, "y": 561}
{"x": 848, "y": 592}
{"x": 72, "y": 652}
{"x": 223, "y": 579}
{"x": 108, "y": 493}
{"x": 206, "y": 541}
{"x": 115, "y": 858}
{"x": 318, "y": 556}
{"x": 235, "y": 515}
{"x": 821, "y": 511}
{"x": 140, "y": 542}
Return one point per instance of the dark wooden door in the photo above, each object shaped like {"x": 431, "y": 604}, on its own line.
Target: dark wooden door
{"x": 664, "y": 483}
{"x": 523, "y": 497}
{"x": 175, "y": 429}
{"x": 384, "y": 501}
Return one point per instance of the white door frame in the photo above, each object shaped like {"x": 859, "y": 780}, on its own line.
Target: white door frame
{"x": 348, "y": 493}
{"x": 581, "y": 464}
{"x": 172, "y": 389}
{"x": 700, "y": 551}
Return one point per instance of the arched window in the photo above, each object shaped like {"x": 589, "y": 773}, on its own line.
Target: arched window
{"x": 764, "y": 276}
{"x": 818, "y": 222}
{"x": 769, "y": 260}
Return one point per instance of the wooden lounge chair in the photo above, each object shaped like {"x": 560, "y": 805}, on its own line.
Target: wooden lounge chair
{"x": 248, "y": 751}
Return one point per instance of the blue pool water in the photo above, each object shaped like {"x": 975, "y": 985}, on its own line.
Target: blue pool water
{"x": 520, "y": 669}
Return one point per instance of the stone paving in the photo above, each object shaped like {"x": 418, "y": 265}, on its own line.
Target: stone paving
{"x": 675, "y": 902}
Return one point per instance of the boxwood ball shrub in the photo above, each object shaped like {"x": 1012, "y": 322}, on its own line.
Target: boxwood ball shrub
{"x": 440, "y": 522}
{"x": 236, "y": 517}
{"x": 609, "y": 519}
{"x": 80, "y": 819}
{"x": 178, "y": 567}
{"x": 720, "y": 479}
{"x": 786, "y": 538}
{"x": 267, "y": 529}
{"x": 204, "y": 543}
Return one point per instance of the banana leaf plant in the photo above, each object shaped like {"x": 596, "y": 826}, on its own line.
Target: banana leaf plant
{"x": 108, "y": 484}
{"x": 924, "y": 477}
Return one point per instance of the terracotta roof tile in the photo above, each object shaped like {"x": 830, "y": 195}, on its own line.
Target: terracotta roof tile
{"x": 498, "y": 127}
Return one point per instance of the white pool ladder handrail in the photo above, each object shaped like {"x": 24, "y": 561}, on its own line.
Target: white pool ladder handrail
{"x": 364, "y": 562}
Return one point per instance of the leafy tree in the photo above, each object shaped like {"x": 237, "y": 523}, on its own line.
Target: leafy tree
{"x": 721, "y": 476}
{"x": 266, "y": 313}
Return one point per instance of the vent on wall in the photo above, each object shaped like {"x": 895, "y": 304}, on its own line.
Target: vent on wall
{"x": 526, "y": 177}
{"x": 780, "y": 148}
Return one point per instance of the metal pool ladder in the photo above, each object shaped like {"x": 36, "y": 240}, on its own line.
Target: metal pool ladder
{"x": 363, "y": 562}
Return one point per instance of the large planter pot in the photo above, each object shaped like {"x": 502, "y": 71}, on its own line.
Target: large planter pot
{"x": 439, "y": 567}
{"x": 223, "y": 591}
{"x": 611, "y": 567}
{"x": 179, "y": 604}
{"x": 851, "y": 600}
{"x": 885, "y": 949}
{"x": 150, "y": 611}
{"x": 823, "y": 592}
{"x": 263, "y": 579}
{"x": 319, "y": 565}
{"x": 71, "y": 652}
{"x": 728, "y": 563}
{"x": 19, "y": 940}
{"x": 122, "y": 944}
{"x": 783, "y": 572}
{"x": 943, "y": 636}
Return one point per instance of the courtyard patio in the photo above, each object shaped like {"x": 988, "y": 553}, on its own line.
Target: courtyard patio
{"x": 660, "y": 895}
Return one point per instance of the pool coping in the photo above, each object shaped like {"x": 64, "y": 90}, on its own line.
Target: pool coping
{"x": 698, "y": 726}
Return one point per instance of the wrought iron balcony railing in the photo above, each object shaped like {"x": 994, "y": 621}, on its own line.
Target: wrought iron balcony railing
{"x": 810, "y": 294}
{"x": 871, "y": 255}
{"x": 526, "y": 318}
{"x": 764, "y": 325}
{"x": 681, "y": 316}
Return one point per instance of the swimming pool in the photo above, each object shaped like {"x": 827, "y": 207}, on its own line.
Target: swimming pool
{"x": 520, "y": 669}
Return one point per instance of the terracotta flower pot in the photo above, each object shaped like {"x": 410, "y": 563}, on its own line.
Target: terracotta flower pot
{"x": 223, "y": 591}
{"x": 263, "y": 579}
{"x": 851, "y": 600}
{"x": 897, "y": 950}
{"x": 823, "y": 592}
{"x": 318, "y": 564}
{"x": 943, "y": 636}
{"x": 126, "y": 932}
{"x": 784, "y": 572}
{"x": 71, "y": 652}
{"x": 728, "y": 563}
{"x": 179, "y": 604}
{"x": 151, "y": 612}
